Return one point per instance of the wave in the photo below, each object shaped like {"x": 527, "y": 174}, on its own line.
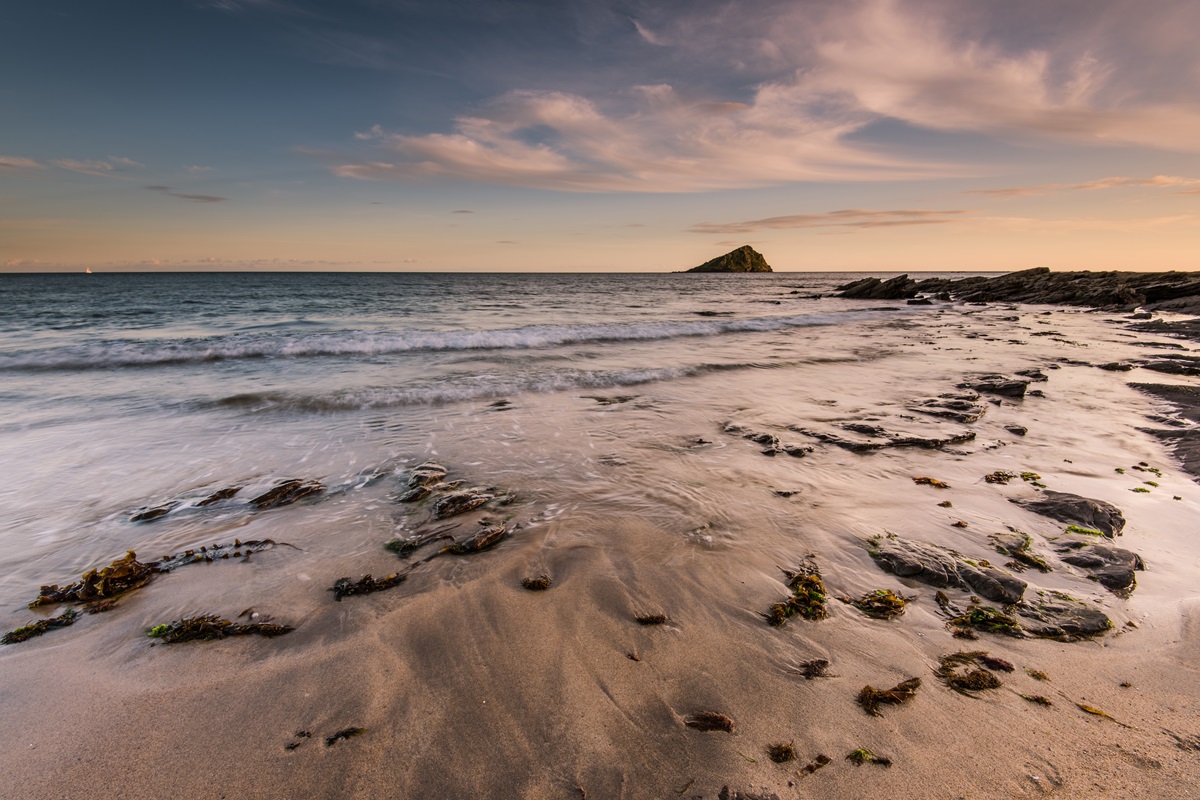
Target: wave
{"x": 239, "y": 346}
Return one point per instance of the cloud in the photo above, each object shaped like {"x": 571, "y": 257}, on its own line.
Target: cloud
{"x": 463, "y": 211}
{"x": 112, "y": 167}
{"x": 195, "y": 198}
{"x": 1185, "y": 185}
{"x": 196, "y": 168}
{"x": 846, "y": 218}
{"x": 771, "y": 92}
{"x": 16, "y": 162}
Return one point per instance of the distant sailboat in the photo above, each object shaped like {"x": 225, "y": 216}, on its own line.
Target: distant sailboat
{"x": 87, "y": 270}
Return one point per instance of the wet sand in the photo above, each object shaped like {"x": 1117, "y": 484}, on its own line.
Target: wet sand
{"x": 468, "y": 685}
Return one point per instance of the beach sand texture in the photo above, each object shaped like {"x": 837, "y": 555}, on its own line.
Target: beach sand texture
{"x": 650, "y": 500}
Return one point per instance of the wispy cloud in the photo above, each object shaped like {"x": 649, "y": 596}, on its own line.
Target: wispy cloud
{"x": 195, "y": 198}
{"x": 1185, "y": 185}
{"x": 197, "y": 168}
{"x": 463, "y": 211}
{"x": 112, "y": 167}
{"x": 16, "y": 162}
{"x": 845, "y": 218}
{"x": 829, "y": 72}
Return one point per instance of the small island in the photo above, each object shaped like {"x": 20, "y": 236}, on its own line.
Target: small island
{"x": 744, "y": 259}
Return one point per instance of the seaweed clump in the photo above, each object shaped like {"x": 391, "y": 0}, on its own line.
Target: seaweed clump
{"x": 709, "y": 721}
{"x": 814, "y": 765}
{"x": 490, "y": 536}
{"x": 651, "y": 619}
{"x": 817, "y": 668}
{"x": 210, "y": 626}
{"x": 963, "y": 672}
{"x": 1001, "y": 476}
{"x": 782, "y": 753}
{"x": 871, "y": 698}
{"x": 987, "y": 619}
{"x": 123, "y": 575}
{"x": 344, "y": 587}
{"x": 539, "y": 584}
{"x": 925, "y": 480}
{"x": 864, "y": 756}
{"x": 879, "y": 604}
{"x": 1041, "y": 700}
{"x": 344, "y": 733}
{"x": 286, "y": 492}
{"x": 807, "y": 600}
{"x": 41, "y": 626}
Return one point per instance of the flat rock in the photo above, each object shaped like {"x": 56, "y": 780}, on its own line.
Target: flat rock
{"x": 963, "y": 408}
{"x": 938, "y": 566}
{"x": 898, "y": 288}
{"x": 1051, "y": 615}
{"x": 997, "y": 384}
{"x": 1112, "y": 567}
{"x": 1076, "y": 510}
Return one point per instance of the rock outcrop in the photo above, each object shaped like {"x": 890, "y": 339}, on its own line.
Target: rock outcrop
{"x": 744, "y": 259}
{"x": 946, "y": 569}
{"x": 1075, "y": 510}
{"x": 898, "y": 288}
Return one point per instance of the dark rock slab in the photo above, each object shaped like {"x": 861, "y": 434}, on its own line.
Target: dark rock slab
{"x": 898, "y": 288}
{"x": 287, "y": 492}
{"x": 1051, "y": 615}
{"x": 997, "y": 384}
{"x": 945, "y": 568}
{"x": 1076, "y": 510}
{"x": 1178, "y": 291}
{"x": 887, "y": 440}
{"x": 963, "y": 408}
{"x": 1112, "y": 567}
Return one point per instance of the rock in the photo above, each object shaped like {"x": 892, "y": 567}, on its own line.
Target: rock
{"x": 997, "y": 384}
{"x": 152, "y": 513}
{"x": 1174, "y": 365}
{"x": 890, "y": 440}
{"x": 920, "y": 301}
{"x": 1035, "y": 375}
{"x": 744, "y": 259}
{"x": 945, "y": 568}
{"x": 1113, "y": 290}
{"x": 1111, "y": 567}
{"x": 415, "y": 494}
{"x": 1051, "y": 615}
{"x": 1016, "y": 430}
{"x": 1116, "y": 366}
{"x": 1076, "y": 510}
{"x": 455, "y": 503}
{"x": 897, "y": 288}
{"x": 426, "y": 474}
{"x": 962, "y": 408}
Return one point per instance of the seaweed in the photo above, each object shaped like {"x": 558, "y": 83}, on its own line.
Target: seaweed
{"x": 1001, "y": 476}
{"x": 1041, "y": 700}
{"x": 1037, "y": 674}
{"x": 955, "y": 670}
{"x": 879, "y": 604}
{"x": 1022, "y": 557}
{"x": 286, "y": 492}
{"x": 871, "y": 698}
{"x": 991, "y": 662}
{"x": 989, "y": 620}
{"x": 651, "y": 619}
{"x": 41, "y": 626}
{"x": 100, "y": 606}
{"x": 925, "y": 480}
{"x": 807, "y": 600}
{"x": 344, "y": 587}
{"x": 782, "y": 752}
{"x": 123, "y": 575}
{"x": 864, "y": 756}
{"x": 1084, "y": 531}
{"x": 709, "y": 721}
{"x": 945, "y": 504}
{"x": 209, "y": 626}
{"x": 489, "y": 537}
{"x": 1030, "y": 477}
{"x": 152, "y": 513}
{"x": 344, "y": 733}
{"x": 218, "y": 496}
{"x": 814, "y": 765}
{"x": 451, "y": 505}
{"x": 817, "y": 668}
{"x": 539, "y": 584}
{"x": 962, "y": 523}
{"x": 1140, "y": 490}
{"x": 214, "y": 552}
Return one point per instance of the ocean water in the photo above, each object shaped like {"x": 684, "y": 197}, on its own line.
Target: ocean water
{"x": 120, "y": 390}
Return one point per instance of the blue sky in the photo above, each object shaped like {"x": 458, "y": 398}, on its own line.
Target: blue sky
{"x": 559, "y": 136}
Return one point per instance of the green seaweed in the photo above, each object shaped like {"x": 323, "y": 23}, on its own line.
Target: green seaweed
{"x": 1119, "y": 471}
{"x": 871, "y": 698}
{"x": 1037, "y": 674}
{"x": 1084, "y": 531}
{"x": 807, "y": 600}
{"x": 879, "y": 604}
{"x": 864, "y": 756}
{"x": 989, "y": 620}
{"x": 1140, "y": 490}
{"x": 209, "y": 626}
{"x": 1030, "y": 477}
{"x": 33, "y": 629}
{"x": 1001, "y": 476}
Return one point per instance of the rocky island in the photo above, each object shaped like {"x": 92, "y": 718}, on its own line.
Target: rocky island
{"x": 744, "y": 259}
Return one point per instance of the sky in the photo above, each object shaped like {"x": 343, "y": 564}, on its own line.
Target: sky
{"x": 599, "y": 135}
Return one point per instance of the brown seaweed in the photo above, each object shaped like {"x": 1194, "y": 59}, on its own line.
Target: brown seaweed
{"x": 814, "y": 765}
{"x": 817, "y": 668}
{"x": 215, "y": 552}
{"x": 344, "y": 733}
{"x": 41, "y": 626}
{"x": 961, "y": 672}
{"x": 925, "y": 480}
{"x": 539, "y": 584}
{"x": 879, "y": 604}
{"x": 286, "y": 492}
{"x": 807, "y": 600}
{"x": 488, "y": 537}
{"x": 651, "y": 619}
{"x": 709, "y": 721}
{"x": 871, "y": 698}
{"x": 208, "y": 627}
{"x": 218, "y": 496}
{"x": 1001, "y": 476}
{"x": 782, "y": 752}
{"x": 864, "y": 756}
{"x": 123, "y": 575}
{"x": 153, "y": 512}
{"x": 1041, "y": 700}
{"x": 344, "y": 587}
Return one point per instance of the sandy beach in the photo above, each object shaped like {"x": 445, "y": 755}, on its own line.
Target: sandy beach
{"x": 652, "y": 500}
